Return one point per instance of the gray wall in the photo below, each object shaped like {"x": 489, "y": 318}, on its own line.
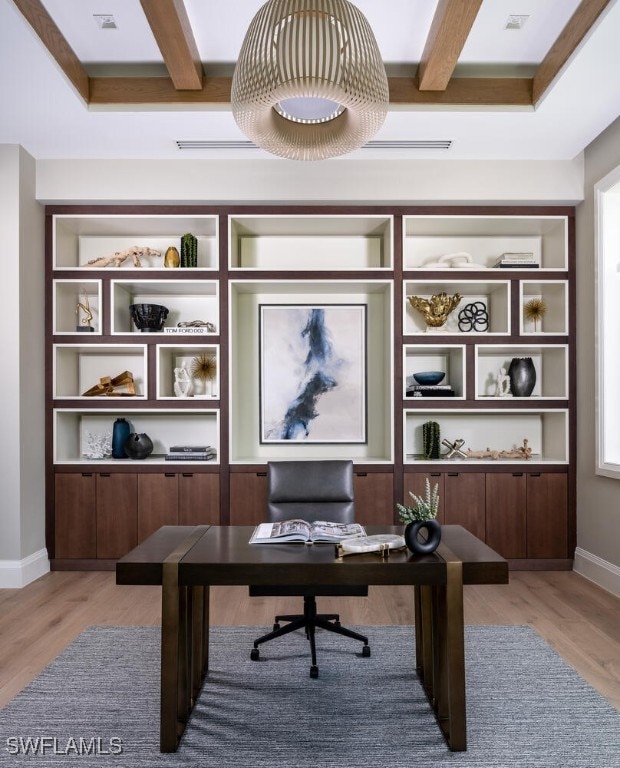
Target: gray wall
{"x": 598, "y": 497}
{"x": 22, "y": 414}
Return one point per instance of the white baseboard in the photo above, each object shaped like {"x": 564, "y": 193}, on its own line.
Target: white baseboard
{"x": 15, "y": 574}
{"x": 594, "y": 568}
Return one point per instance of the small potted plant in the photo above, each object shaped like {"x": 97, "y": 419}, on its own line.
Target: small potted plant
{"x": 422, "y": 515}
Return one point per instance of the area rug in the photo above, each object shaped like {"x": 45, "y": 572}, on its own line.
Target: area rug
{"x": 97, "y": 705}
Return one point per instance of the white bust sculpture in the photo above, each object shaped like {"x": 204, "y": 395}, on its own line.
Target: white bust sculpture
{"x": 502, "y": 386}
{"x": 182, "y": 381}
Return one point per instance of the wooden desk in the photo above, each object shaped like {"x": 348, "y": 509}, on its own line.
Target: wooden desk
{"x": 187, "y": 560}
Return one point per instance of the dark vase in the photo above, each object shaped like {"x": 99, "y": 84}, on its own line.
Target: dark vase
{"x": 120, "y": 433}
{"x": 138, "y": 446}
{"x": 522, "y": 375}
{"x": 419, "y": 546}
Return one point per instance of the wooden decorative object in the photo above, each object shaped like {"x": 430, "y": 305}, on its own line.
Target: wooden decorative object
{"x": 135, "y": 252}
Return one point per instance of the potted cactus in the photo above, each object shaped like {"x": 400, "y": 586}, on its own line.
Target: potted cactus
{"x": 189, "y": 250}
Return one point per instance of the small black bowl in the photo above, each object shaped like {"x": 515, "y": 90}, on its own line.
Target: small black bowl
{"x": 149, "y": 318}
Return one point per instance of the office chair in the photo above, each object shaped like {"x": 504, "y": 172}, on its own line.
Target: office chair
{"x": 309, "y": 490}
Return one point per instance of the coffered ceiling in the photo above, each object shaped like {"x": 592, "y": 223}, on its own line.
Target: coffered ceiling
{"x": 151, "y": 78}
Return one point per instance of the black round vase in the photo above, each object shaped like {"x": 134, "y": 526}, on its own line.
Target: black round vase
{"x": 418, "y": 546}
{"x": 522, "y": 375}
{"x": 138, "y": 446}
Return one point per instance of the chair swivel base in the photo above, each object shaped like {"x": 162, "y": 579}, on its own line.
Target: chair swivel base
{"x": 309, "y": 621}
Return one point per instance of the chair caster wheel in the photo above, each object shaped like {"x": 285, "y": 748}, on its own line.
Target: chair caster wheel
{"x": 276, "y": 626}
{"x": 366, "y": 650}
{"x": 336, "y": 623}
{"x": 254, "y": 654}
{"x": 314, "y": 671}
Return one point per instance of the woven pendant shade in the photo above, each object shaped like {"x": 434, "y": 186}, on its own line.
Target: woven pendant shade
{"x": 309, "y": 83}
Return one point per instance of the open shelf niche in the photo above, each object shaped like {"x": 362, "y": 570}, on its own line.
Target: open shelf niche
{"x": 171, "y": 356}
{"x": 79, "y": 367}
{"x": 493, "y": 294}
{"x": 449, "y": 359}
{"x": 67, "y": 295}
{"x": 430, "y": 241}
{"x": 79, "y": 239}
{"x": 353, "y": 242}
{"x": 550, "y": 363}
{"x": 186, "y": 301}
{"x": 498, "y": 430}
{"x": 246, "y": 297}
{"x": 73, "y": 430}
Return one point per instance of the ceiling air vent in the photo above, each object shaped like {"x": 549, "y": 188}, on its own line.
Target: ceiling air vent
{"x": 428, "y": 144}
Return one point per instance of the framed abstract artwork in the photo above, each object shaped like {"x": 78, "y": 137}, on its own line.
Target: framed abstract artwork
{"x": 312, "y": 373}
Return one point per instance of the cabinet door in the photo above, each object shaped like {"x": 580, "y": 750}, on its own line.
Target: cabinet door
{"x": 547, "y": 515}
{"x": 416, "y": 483}
{"x": 76, "y": 521}
{"x": 374, "y": 498}
{"x": 158, "y": 502}
{"x": 248, "y": 498}
{"x": 117, "y": 514}
{"x": 465, "y": 501}
{"x": 199, "y": 499}
{"x": 506, "y": 505}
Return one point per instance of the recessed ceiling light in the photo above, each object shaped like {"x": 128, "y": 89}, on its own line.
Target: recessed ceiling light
{"x": 516, "y": 21}
{"x": 105, "y": 20}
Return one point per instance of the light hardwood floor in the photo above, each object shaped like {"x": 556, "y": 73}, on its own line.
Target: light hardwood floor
{"x": 581, "y": 621}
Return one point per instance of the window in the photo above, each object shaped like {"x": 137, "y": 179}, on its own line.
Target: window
{"x": 607, "y": 236}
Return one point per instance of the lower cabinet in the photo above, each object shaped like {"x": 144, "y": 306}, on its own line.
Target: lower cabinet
{"x": 103, "y": 515}
{"x": 521, "y": 515}
{"x": 373, "y": 491}
{"x": 75, "y": 503}
{"x": 117, "y": 514}
{"x": 461, "y": 497}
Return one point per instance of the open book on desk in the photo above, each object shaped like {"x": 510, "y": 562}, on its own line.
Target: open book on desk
{"x": 304, "y": 532}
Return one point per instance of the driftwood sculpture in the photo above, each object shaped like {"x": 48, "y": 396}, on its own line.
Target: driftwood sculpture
{"x": 522, "y": 452}
{"x": 135, "y": 252}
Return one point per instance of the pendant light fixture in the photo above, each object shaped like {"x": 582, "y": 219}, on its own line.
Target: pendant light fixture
{"x": 309, "y": 83}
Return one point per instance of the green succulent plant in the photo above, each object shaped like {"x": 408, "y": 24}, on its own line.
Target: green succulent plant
{"x": 422, "y": 509}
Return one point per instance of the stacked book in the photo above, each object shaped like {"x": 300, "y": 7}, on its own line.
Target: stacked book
{"x": 191, "y": 453}
{"x": 430, "y": 390}
{"x": 509, "y": 260}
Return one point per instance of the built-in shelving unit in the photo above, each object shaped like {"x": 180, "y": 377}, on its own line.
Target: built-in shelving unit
{"x": 252, "y": 260}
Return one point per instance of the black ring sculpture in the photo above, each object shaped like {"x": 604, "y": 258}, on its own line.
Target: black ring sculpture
{"x": 474, "y": 317}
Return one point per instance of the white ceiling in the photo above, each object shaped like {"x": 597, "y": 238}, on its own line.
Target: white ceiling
{"x": 40, "y": 110}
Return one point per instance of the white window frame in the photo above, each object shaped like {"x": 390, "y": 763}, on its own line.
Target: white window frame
{"x": 607, "y": 307}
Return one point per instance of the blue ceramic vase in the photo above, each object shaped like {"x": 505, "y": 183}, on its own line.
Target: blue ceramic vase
{"x": 120, "y": 433}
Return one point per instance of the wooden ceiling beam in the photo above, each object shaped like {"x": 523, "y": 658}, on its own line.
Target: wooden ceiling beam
{"x": 449, "y": 30}
{"x": 570, "y": 38}
{"x": 404, "y": 91}
{"x": 170, "y": 25}
{"x": 41, "y": 22}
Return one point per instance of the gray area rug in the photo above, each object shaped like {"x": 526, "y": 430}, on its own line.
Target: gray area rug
{"x": 97, "y": 705}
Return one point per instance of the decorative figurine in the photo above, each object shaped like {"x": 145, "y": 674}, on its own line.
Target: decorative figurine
{"x": 182, "y": 381}
{"x": 84, "y": 324}
{"x": 502, "y": 387}
{"x": 454, "y": 449}
{"x": 437, "y": 308}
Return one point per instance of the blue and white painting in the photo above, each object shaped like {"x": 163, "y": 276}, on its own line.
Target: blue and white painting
{"x": 313, "y": 373}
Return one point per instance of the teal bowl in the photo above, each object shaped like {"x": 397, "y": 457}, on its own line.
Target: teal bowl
{"x": 429, "y": 377}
